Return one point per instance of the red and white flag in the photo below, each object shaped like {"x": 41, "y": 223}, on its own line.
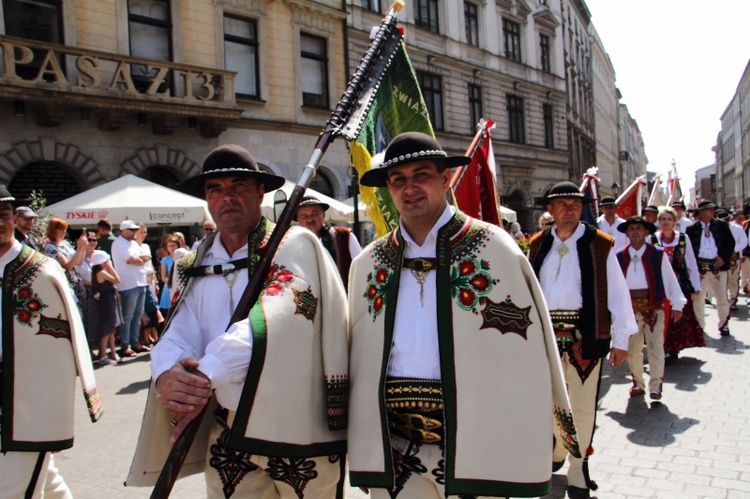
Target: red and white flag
{"x": 629, "y": 202}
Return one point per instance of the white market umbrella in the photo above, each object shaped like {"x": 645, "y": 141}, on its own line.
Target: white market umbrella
{"x": 339, "y": 212}
{"x": 131, "y": 198}
{"x": 361, "y": 206}
{"x": 508, "y": 215}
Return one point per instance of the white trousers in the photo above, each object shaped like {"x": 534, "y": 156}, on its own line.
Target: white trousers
{"x": 718, "y": 283}
{"x": 31, "y": 474}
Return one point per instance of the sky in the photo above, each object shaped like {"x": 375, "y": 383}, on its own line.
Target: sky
{"x": 677, "y": 64}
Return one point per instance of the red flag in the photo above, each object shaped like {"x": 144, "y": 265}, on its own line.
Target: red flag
{"x": 629, "y": 202}
{"x": 476, "y": 194}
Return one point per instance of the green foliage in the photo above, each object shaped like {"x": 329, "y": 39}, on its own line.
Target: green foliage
{"x": 39, "y": 205}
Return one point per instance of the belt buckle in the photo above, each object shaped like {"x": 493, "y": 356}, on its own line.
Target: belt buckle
{"x": 223, "y": 269}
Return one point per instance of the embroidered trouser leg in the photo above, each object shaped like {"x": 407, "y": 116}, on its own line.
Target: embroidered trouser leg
{"x": 718, "y": 283}
{"x": 733, "y": 282}
{"x": 650, "y": 328}
{"x": 31, "y": 474}
{"x": 420, "y": 471}
{"x": 231, "y": 473}
{"x": 583, "y": 395}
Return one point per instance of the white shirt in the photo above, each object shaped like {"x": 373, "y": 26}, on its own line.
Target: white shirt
{"x": 84, "y": 269}
{"x": 707, "y": 248}
{"x": 199, "y": 329}
{"x": 621, "y": 240}
{"x": 131, "y": 276}
{"x": 740, "y": 238}
{"x": 563, "y": 290}
{"x": 636, "y": 277}
{"x": 9, "y": 255}
{"x": 682, "y": 224}
{"x": 415, "y": 352}
{"x": 690, "y": 261}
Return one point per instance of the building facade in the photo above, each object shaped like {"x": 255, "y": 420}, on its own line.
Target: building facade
{"x": 92, "y": 90}
{"x": 633, "y": 160}
{"x": 606, "y": 100}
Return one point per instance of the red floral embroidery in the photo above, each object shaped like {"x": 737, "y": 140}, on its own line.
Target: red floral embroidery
{"x": 467, "y": 267}
{"x": 381, "y": 276}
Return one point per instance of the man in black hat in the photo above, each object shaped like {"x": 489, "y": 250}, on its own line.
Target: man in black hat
{"x": 449, "y": 342}
{"x": 683, "y": 222}
{"x": 279, "y": 376}
{"x": 651, "y": 283}
{"x": 587, "y": 297}
{"x": 339, "y": 241}
{"x": 651, "y": 214}
{"x": 713, "y": 245}
{"x": 43, "y": 349}
{"x": 609, "y": 221}
{"x": 25, "y": 218}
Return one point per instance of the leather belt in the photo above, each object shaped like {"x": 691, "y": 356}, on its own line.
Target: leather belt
{"x": 218, "y": 269}
{"x": 415, "y": 409}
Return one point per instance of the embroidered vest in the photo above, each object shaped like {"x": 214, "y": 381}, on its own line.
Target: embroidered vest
{"x": 593, "y": 248}
{"x": 679, "y": 264}
{"x": 651, "y": 261}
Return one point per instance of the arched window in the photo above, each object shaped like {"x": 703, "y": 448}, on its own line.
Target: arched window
{"x": 161, "y": 175}
{"x": 322, "y": 184}
{"x": 54, "y": 180}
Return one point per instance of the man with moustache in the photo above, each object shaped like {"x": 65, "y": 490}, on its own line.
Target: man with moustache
{"x": 276, "y": 426}
{"x": 340, "y": 242}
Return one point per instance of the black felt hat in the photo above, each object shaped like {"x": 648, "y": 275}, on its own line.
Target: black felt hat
{"x": 706, "y": 205}
{"x": 652, "y": 208}
{"x": 565, "y": 190}
{"x": 678, "y": 204}
{"x": 230, "y": 160}
{"x": 722, "y": 214}
{"x": 311, "y": 201}
{"x": 408, "y": 148}
{"x": 623, "y": 227}
{"x": 608, "y": 201}
{"x": 5, "y": 195}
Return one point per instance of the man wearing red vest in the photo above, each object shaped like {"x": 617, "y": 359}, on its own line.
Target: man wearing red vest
{"x": 651, "y": 282}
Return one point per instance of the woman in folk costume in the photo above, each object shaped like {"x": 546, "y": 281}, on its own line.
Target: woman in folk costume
{"x": 686, "y": 332}
{"x": 455, "y": 377}
{"x": 40, "y": 320}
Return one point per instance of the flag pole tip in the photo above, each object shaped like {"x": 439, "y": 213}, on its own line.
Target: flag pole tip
{"x": 397, "y": 5}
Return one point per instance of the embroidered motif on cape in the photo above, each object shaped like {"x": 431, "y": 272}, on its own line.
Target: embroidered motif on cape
{"x": 506, "y": 317}
{"x": 54, "y": 326}
{"x": 404, "y": 465}
{"x": 337, "y": 401}
{"x": 306, "y": 303}
{"x": 471, "y": 282}
{"x": 278, "y": 279}
{"x": 564, "y": 421}
{"x": 377, "y": 284}
{"x": 295, "y": 472}
{"x": 94, "y": 404}
{"x": 27, "y": 305}
{"x": 232, "y": 466}
{"x": 186, "y": 262}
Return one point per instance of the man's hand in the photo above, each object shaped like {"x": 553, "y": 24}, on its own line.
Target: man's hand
{"x": 617, "y": 356}
{"x": 677, "y": 315}
{"x": 719, "y": 262}
{"x": 183, "y": 391}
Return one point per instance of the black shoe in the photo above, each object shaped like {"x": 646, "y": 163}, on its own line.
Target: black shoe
{"x": 707, "y": 301}
{"x": 734, "y": 308}
{"x": 578, "y": 493}
{"x": 556, "y": 465}
{"x": 724, "y": 330}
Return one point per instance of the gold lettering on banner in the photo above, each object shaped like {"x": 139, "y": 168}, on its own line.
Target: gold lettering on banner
{"x": 87, "y": 65}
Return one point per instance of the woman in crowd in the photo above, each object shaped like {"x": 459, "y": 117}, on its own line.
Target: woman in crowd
{"x": 84, "y": 273}
{"x": 63, "y": 252}
{"x": 173, "y": 243}
{"x": 150, "y": 319}
{"x": 104, "y": 309}
{"x": 686, "y": 332}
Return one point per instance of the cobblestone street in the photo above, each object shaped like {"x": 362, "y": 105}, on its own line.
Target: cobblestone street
{"x": 695, "y": 443}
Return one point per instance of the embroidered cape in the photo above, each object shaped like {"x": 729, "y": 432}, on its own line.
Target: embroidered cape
{"x": 294, "y": 401}
{"x": 501, "y": 373}
{"x": 41, "y": 321}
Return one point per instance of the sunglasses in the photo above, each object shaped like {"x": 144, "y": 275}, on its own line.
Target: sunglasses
{"x": 208, "y": 229}
{"x": 91, "y": 240}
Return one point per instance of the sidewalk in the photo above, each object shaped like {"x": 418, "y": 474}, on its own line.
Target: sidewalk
{"x": 695, "y": 443}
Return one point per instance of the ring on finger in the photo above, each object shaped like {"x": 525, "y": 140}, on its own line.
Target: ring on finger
{"x": 173, "y": 422}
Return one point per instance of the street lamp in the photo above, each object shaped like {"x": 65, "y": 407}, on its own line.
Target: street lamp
{"x": 616, "y": 189}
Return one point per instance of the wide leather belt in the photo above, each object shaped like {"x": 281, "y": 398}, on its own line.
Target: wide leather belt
{"x": 415, "y": 409}
{"x": 706, "y": 265}
{"x": 641, "y": 300}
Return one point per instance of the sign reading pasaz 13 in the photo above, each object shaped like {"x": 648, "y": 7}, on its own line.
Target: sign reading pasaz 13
{"x": 101, "y": 73}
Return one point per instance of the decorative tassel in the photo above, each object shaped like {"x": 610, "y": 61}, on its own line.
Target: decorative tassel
{"x": 589, "y": 482}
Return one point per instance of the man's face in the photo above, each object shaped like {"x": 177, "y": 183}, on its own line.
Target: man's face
{"x": 418, "y": 191}
{"x": 566, "y": 212}
{"x": 208, "y": 228}
{"x": 650, "y": 216}
{"x": 234, "y": 203}
{"x": 637, "y": 234}
{"x": 25, "y": 224}
{"x": 609, "y": 211}
{"x": 7, "y": 227}
{"x": 679, "y": 211}
{"x": 739, "y": 218}
{"x": 311, "y": 217}
{"x": 706, "y": 215}
{"x": 128, "y": 234}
